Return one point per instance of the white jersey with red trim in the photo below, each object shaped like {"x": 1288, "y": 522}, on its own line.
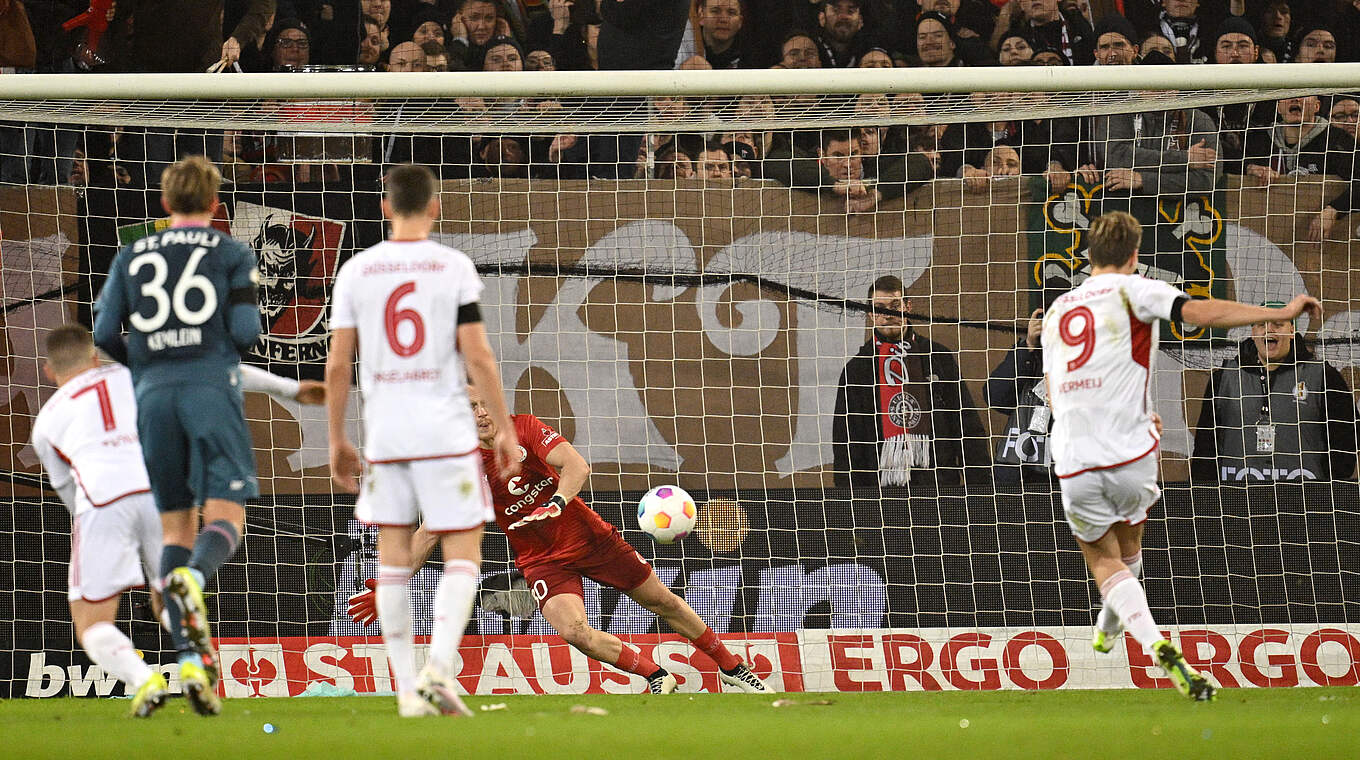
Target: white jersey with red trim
{"x": 1098, "y": 342}
{"x": 86, "y": 437}
{"x": 403, "y": 299}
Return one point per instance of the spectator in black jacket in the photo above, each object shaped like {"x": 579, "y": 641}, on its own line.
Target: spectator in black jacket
{"x": 1236, "y": 44}
{"x": 539, "y": 59}
{"x": 841, "y": 37}
{"x": 720, "y": 26}
{"x": 1317, "y": 44}
{"x": 1345, "y": 113}
{"x": 370, "y": 48}
{"x": 972, "y": 19}
{"x": 472, "y": 27}
{"x": 1014, "y": 50}
{"x": 288, "y": 45}
{"x": 799, "y": 51}
{"x": 641, "y": 34}
{"x": 1048, "y": 26}
{"x": 1157, "y": 42}
{"x": 566, "y": 31}
{"x": 1348, "y": 19}
{"x": 935, "y": 43}
{"x": 1276, "y": 27}
{"x": 1016, "y": 388}
{"x": 1301, "y": 142}
{"x": 1045, "y": 146}
{"x": 1182, "y": 22}
{"x": 839, "y": 169}
{"x": 1275, "y": 412}
{"x": 1116, "y": 41}
{"x": 971, "y": 24}
{"x": 903, "y": 416}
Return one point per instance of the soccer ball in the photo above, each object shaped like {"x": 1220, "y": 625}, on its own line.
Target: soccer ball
{"x": 667, "y": 514}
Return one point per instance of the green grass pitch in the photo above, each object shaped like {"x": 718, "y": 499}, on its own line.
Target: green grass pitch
{"x": 1308, "y": 724}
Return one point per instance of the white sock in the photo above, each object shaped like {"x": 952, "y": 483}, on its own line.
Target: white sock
{"x": 394, "y": 610}
{"x": 111, "y": 650}
{"x": 452, "y": 608}
{"x": 1125, "y": 595}
{"x": 1107, "y": 620}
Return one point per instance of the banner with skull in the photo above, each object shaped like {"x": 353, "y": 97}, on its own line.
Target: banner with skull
{"x": 300, "y": 240}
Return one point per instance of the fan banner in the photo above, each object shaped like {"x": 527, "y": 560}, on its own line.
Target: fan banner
{"x": 888, "y": 659}
{"x": 300, "y": 239}
{"x": 1184, "y": 242}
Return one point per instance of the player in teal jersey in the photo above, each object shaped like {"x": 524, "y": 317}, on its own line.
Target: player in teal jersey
{"x": 187, "y": 296}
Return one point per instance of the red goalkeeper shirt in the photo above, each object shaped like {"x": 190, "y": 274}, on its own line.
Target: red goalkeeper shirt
{"x": 560, "y": 538}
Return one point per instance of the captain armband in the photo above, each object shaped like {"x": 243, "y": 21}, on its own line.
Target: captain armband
{"x": 1176, "y": 308}
{"x": 469, "y": 313}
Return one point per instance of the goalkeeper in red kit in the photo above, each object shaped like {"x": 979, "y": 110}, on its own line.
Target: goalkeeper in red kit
{"x": 557, "y": 540}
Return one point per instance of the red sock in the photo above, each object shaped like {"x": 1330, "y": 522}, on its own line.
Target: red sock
{"x": 709, "y": 643}
{"x": 635, "y": 662}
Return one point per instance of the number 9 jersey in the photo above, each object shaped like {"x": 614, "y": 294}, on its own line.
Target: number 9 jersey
{"x": 1098, "y": 342}
{"x": 403, "y": 299}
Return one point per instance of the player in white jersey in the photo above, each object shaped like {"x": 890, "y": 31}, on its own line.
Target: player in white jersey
{"x": 1099, "y": 340}
{"x": 86, "y": 436}
{"x": 409, "y": 307}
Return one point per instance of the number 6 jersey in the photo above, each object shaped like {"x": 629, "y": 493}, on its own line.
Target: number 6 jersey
{"x": 1098, "y": 341}
{"x": 403, "y": 299}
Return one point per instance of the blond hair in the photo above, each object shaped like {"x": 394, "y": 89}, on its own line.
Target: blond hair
{"x": 1113, "y": 238}
{"x": 69, "y": 347}
{"x": 189, "y": 185}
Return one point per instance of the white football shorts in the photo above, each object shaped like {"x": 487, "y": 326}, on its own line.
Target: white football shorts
{"x": 448, "y": 494}
{"x": 114, "y": 548}
{"x": 1096, "y": 499}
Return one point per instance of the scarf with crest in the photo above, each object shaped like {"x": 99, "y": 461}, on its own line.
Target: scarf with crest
{"x": 904, "y": 411}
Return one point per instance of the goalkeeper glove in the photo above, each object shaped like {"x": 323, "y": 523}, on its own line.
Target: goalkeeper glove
{"x": 363, "y": 606}
{"x": 552, "y": 509}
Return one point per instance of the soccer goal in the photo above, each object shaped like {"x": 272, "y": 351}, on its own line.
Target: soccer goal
{"x": 802, "y": 296}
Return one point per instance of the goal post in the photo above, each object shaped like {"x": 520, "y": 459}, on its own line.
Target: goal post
{"x": 692, "y": 304}
{"x": 606, "y": 101}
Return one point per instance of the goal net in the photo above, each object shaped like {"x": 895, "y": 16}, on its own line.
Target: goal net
{"x": 696, "y": 277}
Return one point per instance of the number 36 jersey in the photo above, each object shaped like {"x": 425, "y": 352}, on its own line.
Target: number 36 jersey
{"x": 174, "y": 290}
{"x": 403, "y": 299}
{"x": 1098, "y": 343}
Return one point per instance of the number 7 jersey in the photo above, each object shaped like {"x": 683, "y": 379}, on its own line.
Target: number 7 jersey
{"x": 403, "y": 299}
{"x": 1098, "y": 342}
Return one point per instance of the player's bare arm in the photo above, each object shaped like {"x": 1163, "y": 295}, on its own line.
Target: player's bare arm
{"x": 1223, "y": 313}
{"x": 482, "y": 370}
{"x": 344, "y": 458}
{"x": 310, "y": 392}
{"x": 573, "y": 470}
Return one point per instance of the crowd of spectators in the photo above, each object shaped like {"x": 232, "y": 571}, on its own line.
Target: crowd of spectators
{"x": 1153, "y": 152}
